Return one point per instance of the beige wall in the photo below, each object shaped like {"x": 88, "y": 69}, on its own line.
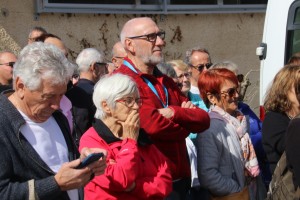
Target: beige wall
{"x": 227, "y": 36}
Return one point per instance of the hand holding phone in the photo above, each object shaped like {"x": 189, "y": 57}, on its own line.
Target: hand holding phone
{"x": 89, "y": 159}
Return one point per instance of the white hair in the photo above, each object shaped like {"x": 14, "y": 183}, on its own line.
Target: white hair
{"x": 39, "y": 61}
{"x": 87, "y": 57}
{"x": 111, "y": 88}
{"x": 228, "y": 65}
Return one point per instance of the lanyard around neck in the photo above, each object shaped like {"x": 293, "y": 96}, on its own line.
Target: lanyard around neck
{"x": 150, "y": 85}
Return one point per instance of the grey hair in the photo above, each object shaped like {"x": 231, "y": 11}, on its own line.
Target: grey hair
{"x": 228, "y": 65}
{"x": 188, "y": 54}
{"x": 87, "y": 57}
{"x": 39, "y": 61}
{"x": 111, "y": 88}
{"x": 167, "y": 69}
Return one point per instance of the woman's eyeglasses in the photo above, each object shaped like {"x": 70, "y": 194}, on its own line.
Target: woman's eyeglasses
{"x": 129, "y": 102}
{"x": 201, "y": 66}
{"x": 186, "y": 75}
{"x": 231, "y": 92}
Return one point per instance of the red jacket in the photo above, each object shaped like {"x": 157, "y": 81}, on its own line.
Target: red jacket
{"x": 145, "y": 165}
{"x": 167, "y": 134}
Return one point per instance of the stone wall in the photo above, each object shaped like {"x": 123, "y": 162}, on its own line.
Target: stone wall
{"x": 227, "y": 36}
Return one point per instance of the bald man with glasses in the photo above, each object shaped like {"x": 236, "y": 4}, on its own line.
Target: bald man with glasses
{"x": 7, "y": 61}
{"x": 166, "y": 114}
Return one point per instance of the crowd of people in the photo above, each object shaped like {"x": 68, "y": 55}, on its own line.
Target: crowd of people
{"x": 174, "y": 130}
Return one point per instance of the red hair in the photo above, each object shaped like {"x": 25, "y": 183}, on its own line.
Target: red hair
{"x": 210, "y": 81}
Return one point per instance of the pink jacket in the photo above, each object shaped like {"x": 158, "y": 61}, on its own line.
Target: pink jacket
{"x": 145, "y": 165}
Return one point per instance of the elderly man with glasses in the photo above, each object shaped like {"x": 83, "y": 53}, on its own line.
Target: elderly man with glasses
{"x": 91, "y": 67}
{"x": 7, "y": 61}
{"x": 166, "y": 114}
{"x": 118, "y": 54}
{"x": 198, "y": 60}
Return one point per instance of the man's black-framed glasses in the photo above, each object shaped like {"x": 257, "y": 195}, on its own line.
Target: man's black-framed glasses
{"x": 201, "y": 66}
{"x": 150, "y": 37}
{"x": 101, "y": 64}
{"x": 11, "y": 64}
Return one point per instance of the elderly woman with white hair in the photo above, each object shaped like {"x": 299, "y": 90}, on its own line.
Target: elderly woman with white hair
{"x": 136, "y": 168}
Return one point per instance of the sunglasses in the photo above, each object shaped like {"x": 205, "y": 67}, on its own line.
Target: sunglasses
{"x": 150, "y": 37}
{"x": 11, "y": 64}
{"x": 240, "y": 78}
{"x": 231, "y": 92}
{"x": 201, "y": 66}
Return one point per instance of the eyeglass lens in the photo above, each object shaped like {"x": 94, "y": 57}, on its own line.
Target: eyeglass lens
{"x": 186, "y": 75}
{"x": 152, "y": 37}
{"x": 231, "y": 92}
{"x": 201, "y": 66}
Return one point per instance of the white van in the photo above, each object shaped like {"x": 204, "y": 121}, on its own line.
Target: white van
{"x": 281, "y": 39}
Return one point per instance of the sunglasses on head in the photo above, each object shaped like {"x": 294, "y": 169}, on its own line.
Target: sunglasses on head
{"x": 201, "y": 66}
{"x": 231, "y": 92}
{"x": 11, "y": 64}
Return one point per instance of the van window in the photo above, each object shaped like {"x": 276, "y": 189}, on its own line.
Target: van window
{"x": 293, "y": 28}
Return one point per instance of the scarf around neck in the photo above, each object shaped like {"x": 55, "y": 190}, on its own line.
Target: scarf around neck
{"x": 240, "y": 127}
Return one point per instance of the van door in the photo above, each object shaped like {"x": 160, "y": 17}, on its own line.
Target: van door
{"x": 293, "y": 31}
{"x": 281, "y": 39}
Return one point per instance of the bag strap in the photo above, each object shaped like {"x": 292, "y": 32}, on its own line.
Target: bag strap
{"x": 32, "y": 194}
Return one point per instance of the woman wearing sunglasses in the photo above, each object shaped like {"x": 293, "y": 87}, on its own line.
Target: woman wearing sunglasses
{"x": 226, "y": 158}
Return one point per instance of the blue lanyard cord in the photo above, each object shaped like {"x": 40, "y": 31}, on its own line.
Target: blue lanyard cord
{"x": 150, "y": 85}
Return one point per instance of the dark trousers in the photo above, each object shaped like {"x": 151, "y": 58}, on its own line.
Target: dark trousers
{"x": 198, "y": 193}
{"x": 180, "y": 189}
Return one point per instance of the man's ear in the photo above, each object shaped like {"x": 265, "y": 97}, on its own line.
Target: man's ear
{"x": 129, "y": 45}
{"x": 19, "y": 87}
{"x": 92, "y": 67}
{"x": 114, "y": 60}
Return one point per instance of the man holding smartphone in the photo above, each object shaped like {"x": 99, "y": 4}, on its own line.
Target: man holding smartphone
{"x": 38, "y": 157}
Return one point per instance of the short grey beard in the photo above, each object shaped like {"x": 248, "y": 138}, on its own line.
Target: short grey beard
{"x": 152, "y": 60}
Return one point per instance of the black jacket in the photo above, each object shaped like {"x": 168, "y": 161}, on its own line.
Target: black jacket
{"x": 83, "y": 108}
{"x": 19, "y": 162}
{"x": 273, "y": 136}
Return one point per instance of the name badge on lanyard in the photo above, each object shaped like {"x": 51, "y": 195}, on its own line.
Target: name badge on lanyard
{"x": 150, "y": 85}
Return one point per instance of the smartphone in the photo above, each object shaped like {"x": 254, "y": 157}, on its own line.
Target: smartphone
{"x": 90, "y": 159}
